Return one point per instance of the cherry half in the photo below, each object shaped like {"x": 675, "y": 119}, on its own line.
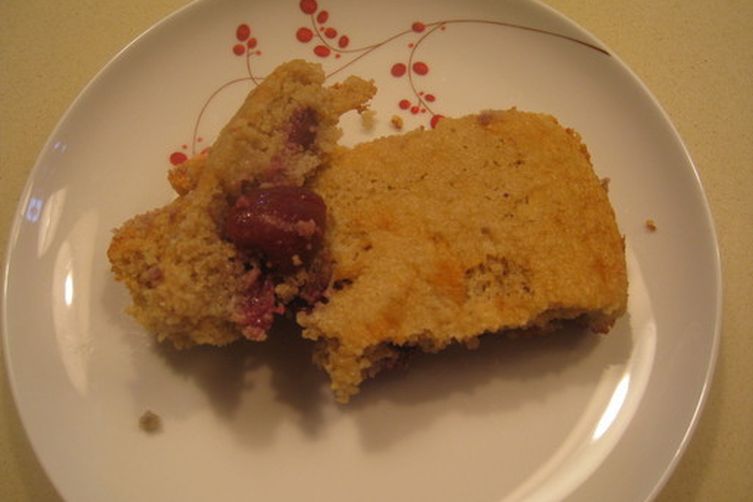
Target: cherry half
{"x": 285, "y": 224}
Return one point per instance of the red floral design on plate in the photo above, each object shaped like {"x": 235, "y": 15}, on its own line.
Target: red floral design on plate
{"x": 329, "y": 41}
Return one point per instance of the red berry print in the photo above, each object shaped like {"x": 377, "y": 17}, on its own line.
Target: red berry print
{"x": 304, "y": 35}
{"x": 308, "y": 6}
{"x": 421, "y": 68}
{"x": 322, "y": 51}
{"x": 177, "y": 158}
{"x": 327, "y": 41}
{"x": 242, "y": 32}
{"x": 398, "y": 70}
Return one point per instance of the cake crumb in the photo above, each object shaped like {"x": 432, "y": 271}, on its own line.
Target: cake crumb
{"x": 286, "y": 292}
{"x": 651, "y": 225}
{"x": 150, "y": 422}
{"x": 605, "y": 183}
{"x": 368, "y": 119}
{"x": 397, "y": 122}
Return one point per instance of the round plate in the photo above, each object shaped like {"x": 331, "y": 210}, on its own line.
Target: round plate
{"x": 591, "y": 417}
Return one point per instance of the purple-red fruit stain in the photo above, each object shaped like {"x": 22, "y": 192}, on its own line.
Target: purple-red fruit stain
{"x": 257, "y": 309}
{"x": 285, "y": 224}
{"x": 303, "y": 126}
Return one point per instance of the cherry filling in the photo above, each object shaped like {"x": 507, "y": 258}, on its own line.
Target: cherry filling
{"x": 303, "y": 126}
{"x": 284, "y": 224}
{"x": 257, "y": 309}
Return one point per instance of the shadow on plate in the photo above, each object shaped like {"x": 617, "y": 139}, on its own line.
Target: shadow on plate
{"x": 502, "y": 375}
{"x": 257, "y": 389}
{"x": 257, "y": 386}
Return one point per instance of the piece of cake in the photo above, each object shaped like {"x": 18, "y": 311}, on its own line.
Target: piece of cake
{"x": 490, "y": 223}
{"x": 243, "y": 239}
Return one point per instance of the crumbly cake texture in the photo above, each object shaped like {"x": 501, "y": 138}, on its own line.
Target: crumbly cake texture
{"x": 489, "y": 223}
{"x": 256, "y": 143}
{"x": 189, "y": 285}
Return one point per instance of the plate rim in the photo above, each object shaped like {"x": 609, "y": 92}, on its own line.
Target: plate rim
{"x": 713, "y": 358}
{"x": 700, "y": 193}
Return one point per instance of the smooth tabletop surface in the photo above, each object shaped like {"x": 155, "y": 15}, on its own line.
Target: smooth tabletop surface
{"x": 696, "y": 58}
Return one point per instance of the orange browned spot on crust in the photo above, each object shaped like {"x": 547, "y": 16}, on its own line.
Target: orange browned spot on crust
{"x": 497, "y": 222}
{"x": 447, "y": 278}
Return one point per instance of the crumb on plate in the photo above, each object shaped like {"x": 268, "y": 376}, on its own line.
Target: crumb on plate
{"x": 368, "y": 119}
{"x": 150, "y": 422}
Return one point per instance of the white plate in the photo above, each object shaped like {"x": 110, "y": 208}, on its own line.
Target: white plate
{"x": 583, "y": 416}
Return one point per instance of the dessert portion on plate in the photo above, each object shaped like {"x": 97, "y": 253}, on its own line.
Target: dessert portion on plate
{"x": 490, "y": 223}
{"x": 243, "y": 238}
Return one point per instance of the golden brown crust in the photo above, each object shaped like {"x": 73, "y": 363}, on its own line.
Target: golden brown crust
{"x": 188, "y": 284}
{"x": 489, "y": 223}
{"x": 255, "y": 143}
{"x": 184, "y": 176}
{"x": 182, "y": 276}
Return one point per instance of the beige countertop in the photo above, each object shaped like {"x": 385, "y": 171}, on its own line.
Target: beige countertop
{"x": 695, "y": 56}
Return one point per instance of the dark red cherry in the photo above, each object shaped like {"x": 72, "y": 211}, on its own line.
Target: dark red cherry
{"x": 285, "y": 224}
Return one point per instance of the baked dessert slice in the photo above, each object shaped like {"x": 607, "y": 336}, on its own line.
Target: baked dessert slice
{"x": 490, "y": 223}
{"x": 243, "y": 238}
{"x": 285, "y": 129}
